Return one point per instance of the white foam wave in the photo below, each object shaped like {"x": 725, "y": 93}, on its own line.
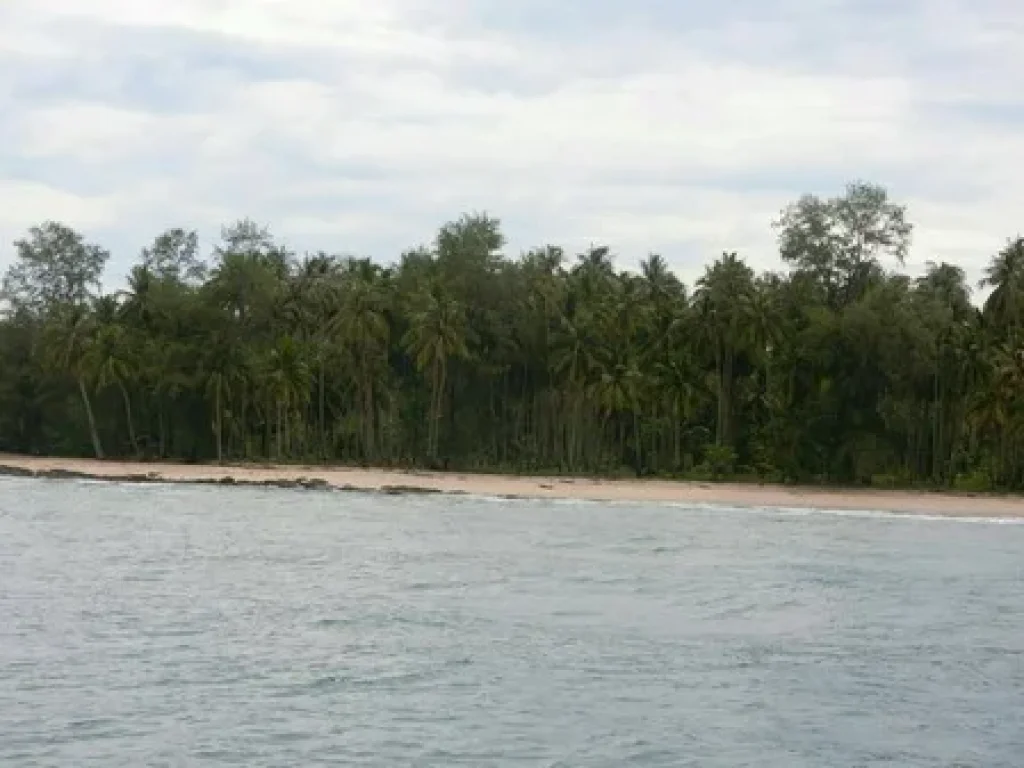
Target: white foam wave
{"x": 702, "y": 507}
{"x": 873, "y": 514}
{"x": 711, "y": 508}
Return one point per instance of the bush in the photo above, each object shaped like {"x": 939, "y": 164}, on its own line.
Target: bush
{"x": 719, "y": 461}
{"x": 977, "y": 481}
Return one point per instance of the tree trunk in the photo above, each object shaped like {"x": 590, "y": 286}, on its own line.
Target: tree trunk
{"x": 1004, "y": 451}
{"x": 720, "y": 421}
{"x": 280, "y": 429}
{"x": 439, "y": 406}
{"x": 677, "y": 436}
{"x": 434, "y": 415}
{"x": 287, "y": 422}
{"x": 727, "y": 384}
{"x": 219, "y": 425}
{"x": 937, "y": 446}
{"x": 93, "y": 432}
{"x": 638, "y": 439}
{"x": 574, "y": 417}
{"x": 322, "y": 408}
{"x": 162, "y": 427}
{"x": 268, "y": 426}
{"x": 128, "y": 415}
{"x": 369, "y": 447}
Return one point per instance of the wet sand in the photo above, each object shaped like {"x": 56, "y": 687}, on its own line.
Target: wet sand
{"x": 398, "y": 481}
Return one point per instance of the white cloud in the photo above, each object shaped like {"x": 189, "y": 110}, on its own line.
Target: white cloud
{"x": 361, "y": 127}
{"x": 92, "y": 132}
{"x": 26, "y": 203}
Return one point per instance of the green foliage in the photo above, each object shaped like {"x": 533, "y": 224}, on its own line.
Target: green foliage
{"x": 978, "y": 481}
{"x": 460, "y": 357}
{"x": 55, "y": 270}
{"x": 719, "y": 461}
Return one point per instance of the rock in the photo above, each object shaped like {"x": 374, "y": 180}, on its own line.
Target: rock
{"x": 65, "y": 474}
{"x": 396, "y": 490}
{"x": 16, "y": 472}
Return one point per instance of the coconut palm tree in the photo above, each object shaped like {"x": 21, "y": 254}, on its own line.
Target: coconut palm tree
{"x": 437, "y": 333}
{"x": 1004, "y": 307}
{"x": 112, "y": 363}
{"x": 724, "y": 300}
{"x": 66, "y": 343}
{"x": 361, "y": 327}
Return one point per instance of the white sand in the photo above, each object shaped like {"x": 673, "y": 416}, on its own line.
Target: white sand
{"x": 731, "y": 494}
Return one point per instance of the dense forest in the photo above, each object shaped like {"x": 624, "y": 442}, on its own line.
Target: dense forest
{"x": 831, "y": 370}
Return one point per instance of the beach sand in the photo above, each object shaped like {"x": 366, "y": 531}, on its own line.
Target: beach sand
{"x": 653, "y": 491}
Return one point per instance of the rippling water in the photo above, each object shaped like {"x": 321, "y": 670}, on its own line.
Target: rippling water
{"x": 181, "y": 626}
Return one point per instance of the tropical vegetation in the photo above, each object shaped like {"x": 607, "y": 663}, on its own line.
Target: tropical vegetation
{"x": 832, "y": 369}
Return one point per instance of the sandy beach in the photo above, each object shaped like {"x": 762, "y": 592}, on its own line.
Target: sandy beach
{"x": 654, "y": 491}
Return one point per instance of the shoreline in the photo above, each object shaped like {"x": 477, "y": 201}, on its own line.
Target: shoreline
{"x": 393, "y": 481}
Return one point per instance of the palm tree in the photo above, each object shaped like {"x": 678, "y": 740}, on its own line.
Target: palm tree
{"x": 1004, "y": 308}
{"x": 363, "y": 329}
{"x": 224, "y": 373}
{"x": 287, "y": 385}
{"x": 67, "y": 338}
{"x": 437, "y": 332}
{"x": 1004, "y": 409}
{"x": 943, "y": 305}
{"x": 724, "y": 299}
{"x": 576, "y": 363}
{"x": 110, "y": 359}
{"x": 315, "y": 304}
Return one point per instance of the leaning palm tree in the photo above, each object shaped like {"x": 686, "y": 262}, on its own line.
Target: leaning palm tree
{"x": 109, "y": 358}
{"x": 65, "y": 344}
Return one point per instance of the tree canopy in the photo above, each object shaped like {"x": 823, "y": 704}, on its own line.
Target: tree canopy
{"x": 834, "y": 369}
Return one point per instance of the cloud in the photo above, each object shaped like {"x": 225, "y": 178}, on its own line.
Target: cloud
{"x": 653, "y": 125}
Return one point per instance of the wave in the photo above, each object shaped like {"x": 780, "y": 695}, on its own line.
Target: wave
{"x": 490, "y": 498}
{"x": 718, "y": 508}
{"x": 873, "y": 514}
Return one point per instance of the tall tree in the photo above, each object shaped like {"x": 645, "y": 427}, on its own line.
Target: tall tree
{"x": 840, "y": 241}
{"x": 174, "y": 256}
{"x": 54, "y": 279}
{"x": 437, "y": 333}
{"x": 66, "y": 343}
{"x": 839, "y": 369}
{"x": 363, "y": 330}
{"x": 55, "y": 268}
{"x": 725, "y": 296}
{"x": 1004, "y": 308}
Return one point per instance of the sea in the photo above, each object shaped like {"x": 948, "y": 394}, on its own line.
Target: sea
{"x": 173, "y": 625}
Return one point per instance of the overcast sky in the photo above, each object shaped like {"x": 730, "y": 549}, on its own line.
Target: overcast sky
{"x": 359, "y": 126}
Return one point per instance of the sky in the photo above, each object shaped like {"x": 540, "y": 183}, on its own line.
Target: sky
{"x": 360, "y": 126}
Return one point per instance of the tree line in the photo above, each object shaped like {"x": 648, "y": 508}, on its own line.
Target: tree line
{"x": 832, "y": 370}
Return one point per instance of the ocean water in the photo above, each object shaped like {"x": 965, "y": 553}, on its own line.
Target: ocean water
{"x": 203, "y": 626}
